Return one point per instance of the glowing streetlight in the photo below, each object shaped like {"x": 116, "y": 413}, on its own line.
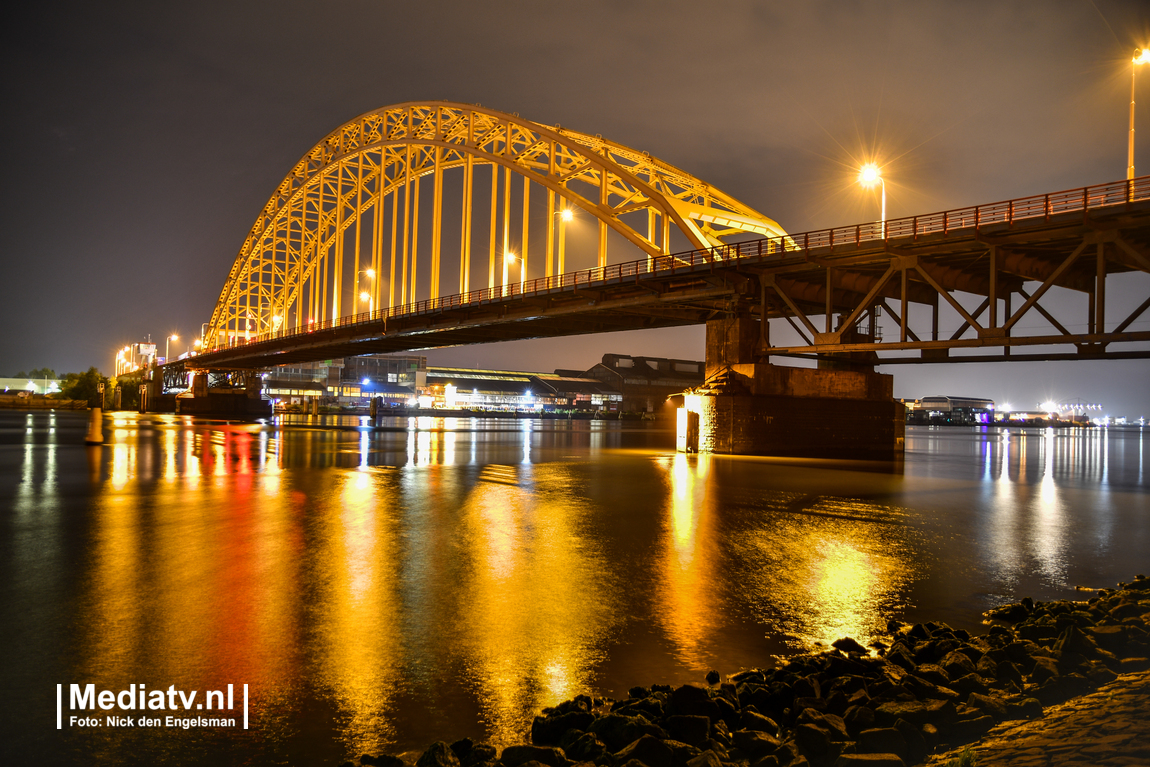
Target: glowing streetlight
{"x": 369, "y": 273}
{"x": 508, "y": 259}
{"x": 869, "y": 175}
{"x": 167, "y": 344}
{"x": 1141, "y": 56}
{"x": 565, "y": 215}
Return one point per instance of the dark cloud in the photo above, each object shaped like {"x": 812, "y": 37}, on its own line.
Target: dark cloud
{"x": 141, "y": 139}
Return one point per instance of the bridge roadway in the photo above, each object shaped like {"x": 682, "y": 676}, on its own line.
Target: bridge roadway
{"x": 823, "y": 283}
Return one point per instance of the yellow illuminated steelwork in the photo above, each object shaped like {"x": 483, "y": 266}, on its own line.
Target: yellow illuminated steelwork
{"x": 358, "y": 188}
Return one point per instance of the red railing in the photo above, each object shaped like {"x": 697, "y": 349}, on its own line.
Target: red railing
{"x": 1088, "y": 198}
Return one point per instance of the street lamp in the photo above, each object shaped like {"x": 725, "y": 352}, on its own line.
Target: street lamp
{"x": 869, "y": 175}
{"x": 508, "y": 259}
{"x": 1141, "y": 56}
{"x": 370, "y": 292}
{"x": 167, "y": 342}
{"x": 565, "y": 215}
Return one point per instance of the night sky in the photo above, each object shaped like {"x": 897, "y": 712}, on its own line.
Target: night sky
{"x": 142, "y": 139}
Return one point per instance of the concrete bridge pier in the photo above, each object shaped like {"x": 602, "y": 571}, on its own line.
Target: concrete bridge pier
{"x": 750, "y": 407}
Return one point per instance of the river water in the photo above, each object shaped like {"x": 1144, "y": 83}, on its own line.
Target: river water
{"x": 379, "y": 589}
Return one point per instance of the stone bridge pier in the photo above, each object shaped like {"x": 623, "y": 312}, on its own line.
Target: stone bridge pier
{"x": 751, "y": 407}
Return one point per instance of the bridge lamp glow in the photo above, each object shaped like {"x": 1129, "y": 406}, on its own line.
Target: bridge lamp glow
{"x": 869, "y": 175}
{"x": 1141, "y": 56}
{"x": 508, "y": 259}
{"x": 566, "y": 215}
{"x": 167, "y": 344}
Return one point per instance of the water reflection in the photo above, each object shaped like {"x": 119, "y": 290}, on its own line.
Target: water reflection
{"x": 829, "y": 568}
{"x": 688, "y": 589}
{"x": 382, "y": 587}
{"x": 537, "y": 604}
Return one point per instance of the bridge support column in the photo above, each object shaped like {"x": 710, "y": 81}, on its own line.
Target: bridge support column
{"x": 755, "y": 408}
{"x": 200, "y": 384}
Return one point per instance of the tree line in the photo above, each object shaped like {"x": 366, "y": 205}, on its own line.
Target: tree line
{"x": 83, "y": 386}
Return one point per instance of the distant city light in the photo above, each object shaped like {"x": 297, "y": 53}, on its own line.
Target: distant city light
{"x": 366, "y": 381}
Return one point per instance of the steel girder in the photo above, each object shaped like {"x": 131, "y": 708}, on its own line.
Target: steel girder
{"x": 293, "y": 256}
{"x": 824, "y": 283}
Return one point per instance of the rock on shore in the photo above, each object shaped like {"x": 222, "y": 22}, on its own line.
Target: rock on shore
{"x": 934, "y": 688}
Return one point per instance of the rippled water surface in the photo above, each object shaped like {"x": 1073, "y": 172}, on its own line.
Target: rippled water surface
{"x": 378, "y": 589}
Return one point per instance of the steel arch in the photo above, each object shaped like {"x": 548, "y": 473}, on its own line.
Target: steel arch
{"x": 299, "y": 237}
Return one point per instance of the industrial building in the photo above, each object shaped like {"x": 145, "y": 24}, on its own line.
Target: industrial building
{"x": 952, "y": 411}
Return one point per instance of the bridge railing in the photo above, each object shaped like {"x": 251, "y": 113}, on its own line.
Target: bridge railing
{"x": 1084, "y": 199}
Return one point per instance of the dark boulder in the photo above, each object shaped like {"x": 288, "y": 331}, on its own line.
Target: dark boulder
{"x": 548, "y": 731}
{"x": 649, "y": 750}
{"x": 833, "y": 725}
{"x": 882, "y": 740}
{"x": 383, "y": 760}
{"x": 706, "y": 759}
{"x": 916, "y": 746}
{"x": 915, "y": 712}
{"x": 690, "y": 700}
{"x": 480, "y": 753}
{"x": 847, "y": 644}
{"x": 965, "y": 685}
{"x": 988, "y": 704}
{"x": 858, "y": 718}
{"x": 586, "y": 748}
{"x": 753, "y": 720}
{"x": 689, "y": 729}
{"x": 812, "y": 741}
{"x": 438, "y": 754}
{"x": 754, "y": 744}
{"x": 617, "y": 730}
{"x": 514, "y": 756}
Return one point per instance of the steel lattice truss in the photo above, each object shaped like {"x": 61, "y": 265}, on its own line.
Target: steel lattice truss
{"x": 351, "y": 204}
{"x": 830, "y": 285}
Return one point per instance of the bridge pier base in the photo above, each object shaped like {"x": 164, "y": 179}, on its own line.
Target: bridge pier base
{"x": 755, "y": 408}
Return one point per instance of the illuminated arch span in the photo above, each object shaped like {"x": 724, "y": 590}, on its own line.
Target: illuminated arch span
{"x": 356, "y": 195}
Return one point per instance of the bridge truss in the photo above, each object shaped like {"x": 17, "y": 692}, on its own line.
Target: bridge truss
{"x": 830, "y": 286}
{"x": 341, "y": 236}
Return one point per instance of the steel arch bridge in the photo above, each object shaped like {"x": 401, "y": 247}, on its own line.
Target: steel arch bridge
{"x": 341, "y": 234}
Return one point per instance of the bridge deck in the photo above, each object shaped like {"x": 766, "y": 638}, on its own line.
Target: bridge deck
{"x": 1071, "y": 240}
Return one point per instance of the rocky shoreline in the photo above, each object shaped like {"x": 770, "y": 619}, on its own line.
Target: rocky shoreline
{"x": 931, "y": 690}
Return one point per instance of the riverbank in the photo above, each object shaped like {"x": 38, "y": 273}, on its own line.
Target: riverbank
{"x": 41, "y": 403}
{"x": 923, "y": 697}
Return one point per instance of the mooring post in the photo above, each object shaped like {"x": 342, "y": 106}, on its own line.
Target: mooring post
{"x": 95, "y": 434}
